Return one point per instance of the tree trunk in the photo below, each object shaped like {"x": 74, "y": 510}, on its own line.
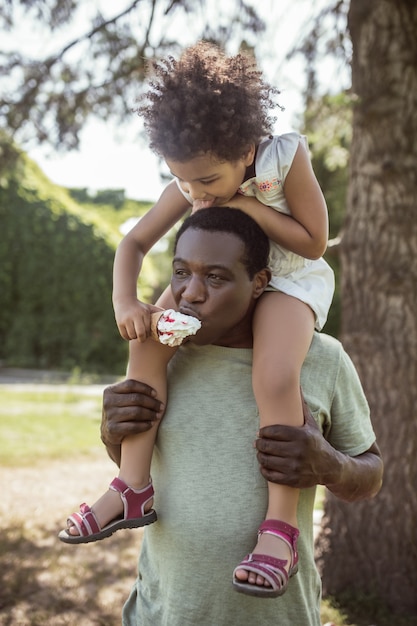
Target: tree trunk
{"x": 371, "y": 547}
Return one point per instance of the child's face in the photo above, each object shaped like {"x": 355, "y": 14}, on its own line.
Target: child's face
{"x": 206, "y": 178}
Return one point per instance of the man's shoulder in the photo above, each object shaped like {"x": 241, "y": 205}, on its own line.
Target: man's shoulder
{"x": 325, "y": 358}
{"x": 321, "y": 370}
{"x": 324, "y": 346}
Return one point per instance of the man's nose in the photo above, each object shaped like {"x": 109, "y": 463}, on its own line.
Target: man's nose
{"x": 194, "y": 290}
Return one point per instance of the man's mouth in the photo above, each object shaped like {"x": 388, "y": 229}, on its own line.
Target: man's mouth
{"x": 188, "y": 311}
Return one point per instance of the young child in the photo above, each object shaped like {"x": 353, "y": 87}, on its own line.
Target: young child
{"x": 207, "y": 115}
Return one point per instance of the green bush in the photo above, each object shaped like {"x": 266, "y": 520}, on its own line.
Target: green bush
{"x": 55, "y": 279}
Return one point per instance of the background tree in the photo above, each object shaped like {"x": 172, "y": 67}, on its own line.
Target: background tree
{"x": 371, "y": 548}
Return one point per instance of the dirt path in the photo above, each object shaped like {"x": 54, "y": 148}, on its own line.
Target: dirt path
{"x": 42, "y": 494}
{"x": 44, "y": 582}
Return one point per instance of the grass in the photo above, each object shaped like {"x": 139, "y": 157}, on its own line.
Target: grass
{"x": 37, "y": 426}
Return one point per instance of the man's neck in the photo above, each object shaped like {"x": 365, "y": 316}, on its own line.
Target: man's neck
{"x": 243, "y": 340}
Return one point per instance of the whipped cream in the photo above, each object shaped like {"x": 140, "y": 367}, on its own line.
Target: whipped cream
{"x": 173, "y": 327}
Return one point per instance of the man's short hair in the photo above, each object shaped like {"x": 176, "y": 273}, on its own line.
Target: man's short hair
{"x": 235, "y": 222}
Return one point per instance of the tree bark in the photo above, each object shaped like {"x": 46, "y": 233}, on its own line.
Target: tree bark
{"x": 371, "y": 547}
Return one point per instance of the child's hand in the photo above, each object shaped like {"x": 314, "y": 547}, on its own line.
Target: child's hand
{"x": 134, "y": 319}
{"x": 237, "y": 202}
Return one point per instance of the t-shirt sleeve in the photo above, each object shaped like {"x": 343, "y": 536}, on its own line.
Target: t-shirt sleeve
{"x": 351, "y": 429}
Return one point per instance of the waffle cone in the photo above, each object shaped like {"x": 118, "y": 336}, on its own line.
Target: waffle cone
{"x": 154, "y": 324}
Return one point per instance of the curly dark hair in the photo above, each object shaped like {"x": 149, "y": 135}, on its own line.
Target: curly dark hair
{"x": 206, "y": 102}
{"x": 235, "y": 222}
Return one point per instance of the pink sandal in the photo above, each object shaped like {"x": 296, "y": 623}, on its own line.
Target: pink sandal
{"x": 134, "y": 515}
{"x": 270, "y": 568}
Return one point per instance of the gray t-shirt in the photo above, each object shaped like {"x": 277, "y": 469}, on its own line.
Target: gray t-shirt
{"x": 210, "y": 496}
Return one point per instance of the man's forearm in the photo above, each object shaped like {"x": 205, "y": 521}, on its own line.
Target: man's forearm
{"x": 356, "y": 478}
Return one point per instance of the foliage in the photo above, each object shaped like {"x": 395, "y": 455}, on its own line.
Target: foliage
{"x": 326, "y": 36}
{"x": 115, "y": 197}
{"x": 100, "y": 67}
{"x": 55, "y": 279}
{"x": 156, "y": 271}
{"x": 327, "y": 123}
{"x": 56, "y": 261}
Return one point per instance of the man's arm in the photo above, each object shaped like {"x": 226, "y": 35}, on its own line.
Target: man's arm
{"x": 302, "y": 458}
{"x": 129, "y": 408}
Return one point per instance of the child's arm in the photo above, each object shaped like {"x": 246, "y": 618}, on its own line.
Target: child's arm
{"x": 133, "y": 316}
{"x": 305, "y": 232}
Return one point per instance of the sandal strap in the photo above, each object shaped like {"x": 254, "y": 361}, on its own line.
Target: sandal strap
{"x": 134, "y": 500}
{"x": 270, "y": 568}
{"x": 287, "y": 533}
{"x": 85, "y": 521}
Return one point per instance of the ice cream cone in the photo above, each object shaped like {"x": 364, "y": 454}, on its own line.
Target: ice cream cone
{"x": 172, "y": 327}
{"x": 155, "y": 317}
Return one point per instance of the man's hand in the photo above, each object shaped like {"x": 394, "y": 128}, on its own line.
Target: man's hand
{"x": 298, "y": 457}
{"x": 129, "y": 408}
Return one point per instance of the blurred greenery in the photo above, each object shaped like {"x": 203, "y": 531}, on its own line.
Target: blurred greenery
{"x": 37, "y": 426}
{"x": 56, "y": 260}
{"x": 328, "y": 125}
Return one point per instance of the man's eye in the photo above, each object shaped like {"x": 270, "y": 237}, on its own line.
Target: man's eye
{"x": 180, "y": 273}
{"x": 215, "y": 277}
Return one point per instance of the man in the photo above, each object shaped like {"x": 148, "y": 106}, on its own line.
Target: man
{"x": 210, "y": 495}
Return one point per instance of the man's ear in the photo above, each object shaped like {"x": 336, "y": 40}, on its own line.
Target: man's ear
{"x": 260, "y": 282}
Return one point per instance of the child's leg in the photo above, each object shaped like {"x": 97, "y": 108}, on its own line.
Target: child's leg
{"x": 283, "y": 330}
{"x": 147, "y": 363}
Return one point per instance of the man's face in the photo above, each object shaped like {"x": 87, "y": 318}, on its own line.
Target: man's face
{"x": 210, "y": 282}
